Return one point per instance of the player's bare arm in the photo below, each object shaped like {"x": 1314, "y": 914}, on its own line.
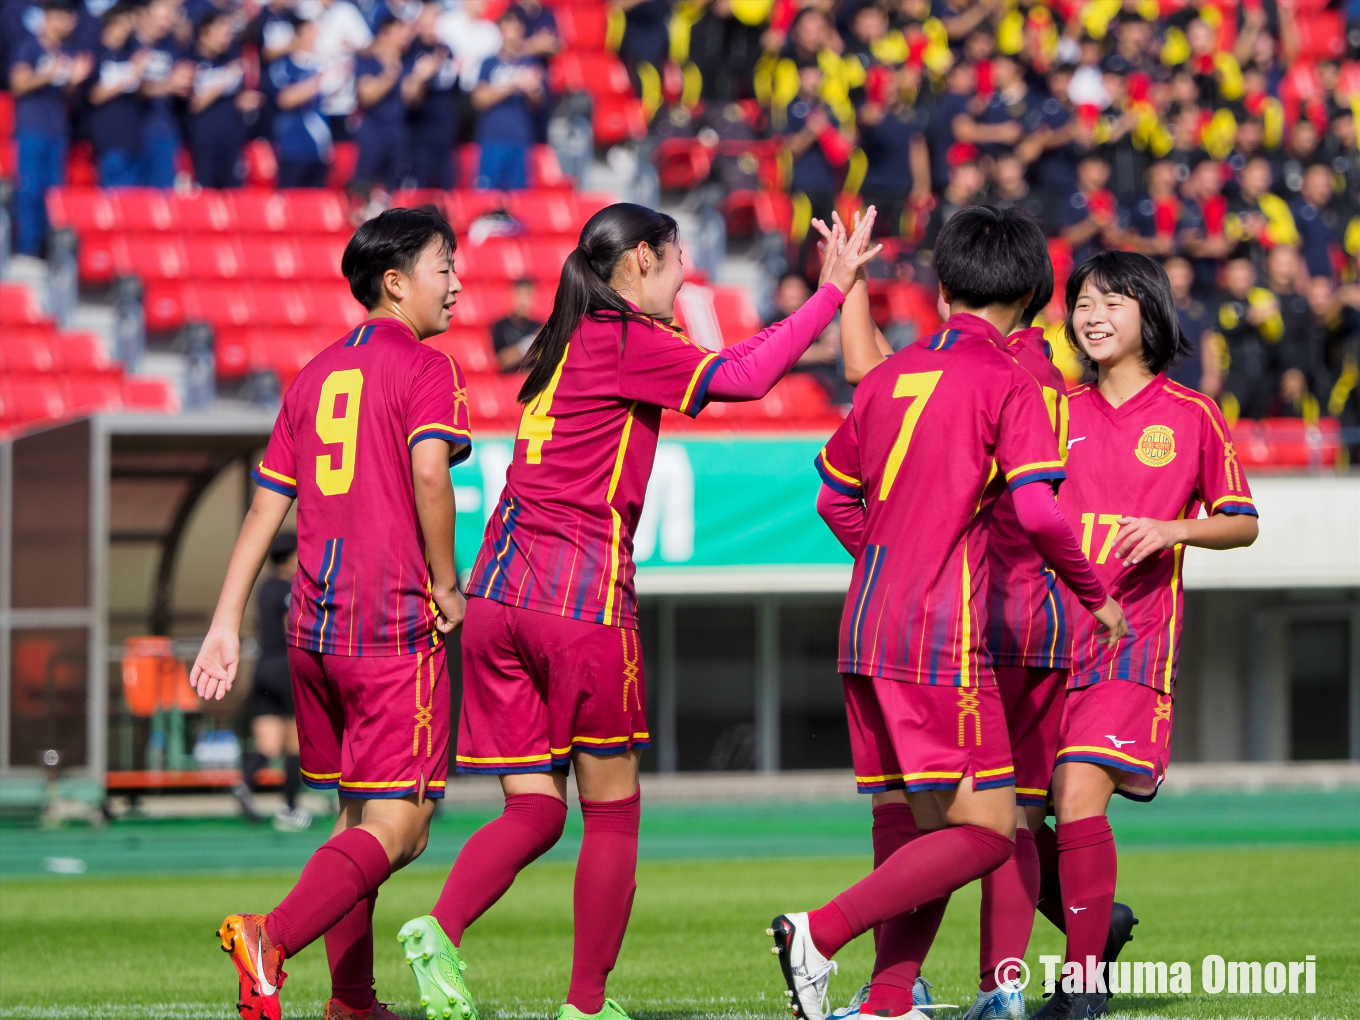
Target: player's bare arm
{"x": 435, "y": 508}
{"x": 1140, "y": 537}
{"x": 215, "y": 668}
{"x": 863, "y": 345}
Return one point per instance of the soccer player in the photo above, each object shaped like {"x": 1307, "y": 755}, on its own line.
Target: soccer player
{"x": 552, "y": 666}
{"x": 938, "y": 431}
{"x": 363, "y": 443}
{"x": 1145, "y": 456}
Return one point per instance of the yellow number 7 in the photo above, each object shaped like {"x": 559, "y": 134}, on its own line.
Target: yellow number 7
{"x": 335, "y": 480}
{"x": 919, "y": 386}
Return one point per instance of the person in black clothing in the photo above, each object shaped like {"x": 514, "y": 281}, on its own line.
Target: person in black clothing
{"x": 512, "y": 335}
{"x": 1201, "y": 369}
{"x": 894, "y": 143}
{"x": 428, "y": 92}
{"x": 270, "y": 705}
{"x": 115, "y": 117}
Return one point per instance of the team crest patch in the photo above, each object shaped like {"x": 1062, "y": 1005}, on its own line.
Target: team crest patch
{"x": 1156, "y": 446}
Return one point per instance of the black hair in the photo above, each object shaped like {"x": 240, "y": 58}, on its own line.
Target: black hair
{"x": 988, "y": 256}
{"x": 1143, "y": 279}
{"x": 583, "y": 289}
{"x": 284, "y": 545}
{"x": 391, "y": 240}
{"x": 209, "y": 18}
{"x": 1043, "y": 293}
{"x": 524, "y": 281}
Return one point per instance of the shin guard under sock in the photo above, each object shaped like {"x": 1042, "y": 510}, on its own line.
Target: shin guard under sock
{"x": 1007, "y": 917}
{"x": 343, "y": 871}
{"x": 603, "y": 898}
{"x": 349, "y": 952}
{"x": 1088, "y": 866}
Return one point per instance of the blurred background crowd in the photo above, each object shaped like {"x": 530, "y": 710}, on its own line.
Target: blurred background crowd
{"x": 1219, "y": 136}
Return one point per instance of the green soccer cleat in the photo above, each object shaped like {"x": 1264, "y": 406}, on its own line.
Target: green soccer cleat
{"x": 438, "y": 969}
{"x": 610, "y": 1011}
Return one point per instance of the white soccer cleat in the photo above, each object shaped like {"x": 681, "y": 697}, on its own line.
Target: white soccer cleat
{"x": 1004, "y": 1002}
{"x": 806, "y": 971}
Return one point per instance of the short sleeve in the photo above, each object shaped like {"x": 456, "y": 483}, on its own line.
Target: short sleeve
{"x": 1026, "y": 448}
{"x": 1221, "y": 484}
{"x": 278, "y": 470}
{"x": 658, "y": 365}
{"x": 438, "y": 408}
{"x": 838, "y": 462}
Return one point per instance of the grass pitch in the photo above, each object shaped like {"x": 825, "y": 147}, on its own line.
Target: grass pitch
{"x": 141, "y": 945}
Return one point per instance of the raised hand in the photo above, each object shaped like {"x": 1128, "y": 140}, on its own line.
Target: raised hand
{"x": 842, "y": 267}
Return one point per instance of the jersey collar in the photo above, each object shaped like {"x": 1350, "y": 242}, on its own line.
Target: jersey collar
{"x": 975, "y": 325}
{"x": 1133, "y": 404}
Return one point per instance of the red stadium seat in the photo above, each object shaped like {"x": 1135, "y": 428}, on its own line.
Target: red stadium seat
{"x": 617, "y": 119}
{"x": 150, "y": 257}
{"x": 6, "y": 115}
{"x": 80, "y": 168}
{"x": 471, "y": 348}
{"x": 270, "y": 257}
{"x": 545, "y": 212}
{"x": 149, "y": 393}
{"x": 336, "y": 309}
{"x": 481, "y": 306}
{"x": 90, "y": 393}
{"x": 204, "y": 212}
{"x": 583, "y": 27}
{"x": 343, "y": 165}
{"x": 9, "y": 158}
{"x": 1321, "y": 35}
{"x": 682, "y": 163}
{"x": 600, "y": 74}
{"x": 588, "y": 203}
{"x": 80, "y": 352}
{"x": 737, "y": 315}
{"x": 316, "y": 211}
{"x": 544, "y": 169}
{"x": 262, "y": 169}
{"x": 168, "y": 305}
{"x": 209, "y": 257}
{"x": 280, "y": 303}
{"x": 82, "y": 209}
{"x": 95, "y": 261}
{"x": 27, "y": 349}
{"x": 33, "y": 398}
{"x": 259, "y": 211}
{"x": 465, "y": 206}
{"x": 320, "y": 255}
{"x": 547, "y": 255}
{"x": 414, "y": 198}
{"x": 496, "y": 258}
{"x": 493, "y": 398}
{"x": 19, "y": 306}
{"x": 144, "y": 209}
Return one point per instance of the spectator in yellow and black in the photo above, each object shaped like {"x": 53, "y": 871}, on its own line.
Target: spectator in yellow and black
{"x": 1337, "y": 324}
{"x": 1113, "y": 132}
{"x": 1090, "y": 219}
{"x": 1186, "y": 123}
{"x": 1204, "y": 210}
{"x": 1257, "y": 48}
{"x": 1249, "y": 322}
{"x": 1341, "y": 151}
{"x": 724, "y": 43}
{"x": 1298, "y": 351}
{"x": 1010, "y": 190}
{"x": 963, "y": 17}
{"x": 1323, "y": 220}
{"x": 1201, "y": 369}
{"x": 1155, "y": 219}
{"x": 1250, "y": 143}
{"x": 965, "y": 188}
{"x": 817, "y": 146}
{"x": 1256, "y": 216}
{"x": 811, "y": 39}
{"x": 1133, "y": 52}
{"x": 646, "y": 33}
{"x": 897, "y": 177}
{"x": 999, "y": 124}
{"x": 879, "y": 48}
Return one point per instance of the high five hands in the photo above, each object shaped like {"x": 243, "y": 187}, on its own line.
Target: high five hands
{"x": 845, "y": 253}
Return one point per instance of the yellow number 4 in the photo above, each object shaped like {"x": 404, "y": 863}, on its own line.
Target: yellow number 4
{"x": 536, "y": 424}
{"x": 331, "y": 479}
{"x": 919, "y": 386}
{"x": 1088, "y": 524}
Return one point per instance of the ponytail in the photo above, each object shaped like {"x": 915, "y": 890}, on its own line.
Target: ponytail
{"x": 583, "y": 290}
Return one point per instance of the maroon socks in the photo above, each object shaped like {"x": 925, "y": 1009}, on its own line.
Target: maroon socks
{"x": 349, "y": 951}
{"x": 489, "y": 861}
{"x": 603, "y": 899}
{"x": 1087, "y": 865}
{"x": 1007, "y": 918}
{"x": 926, "y": 869}
{"x": 1050, "y": 888}
{"x": 898, "y": 959}
{"x": 344, "y": 871}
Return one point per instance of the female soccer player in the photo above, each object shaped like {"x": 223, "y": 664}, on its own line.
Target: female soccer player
{"x": 552, "y": 667}
{"x": 1145, "y": 455}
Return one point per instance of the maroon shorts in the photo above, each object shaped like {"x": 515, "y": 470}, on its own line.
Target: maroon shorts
{"x": 925, "y": 737}
{"x": 1123, "y": 725}
{"x": 537, "y": 686}
{"x": 372, "y": 725}
{"x": 1032, "y": 699}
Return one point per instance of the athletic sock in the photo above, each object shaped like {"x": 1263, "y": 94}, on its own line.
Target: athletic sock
{"x": 1007, "y": 918}
{"x": 488, "y": 863}
{"x": 251, "y": 764}
{"x": 1050, "y": 888}
{"x": 902, "y": 949}
{"x": 603, "y": 898}
{"x": 349, "y": 951}
{"x": 894, "y": 827}
{"x": 926, "y": 869}
{"x": 1088, "y": 866}
{"x": 342, "y": 871}
{"x": 292, "y": 780}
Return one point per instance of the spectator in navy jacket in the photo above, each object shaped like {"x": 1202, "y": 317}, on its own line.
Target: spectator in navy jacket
{"x": 428, "y": 92}
{"x": 509, "y": 92}
{"x": 43, "y": 76}
{"x": 115, "y": 119}
{"x": 302, "y": 138}
{"x": 166, "y": 78}
{"x": 218, "y": 103}
{"x": 384, "y": 141}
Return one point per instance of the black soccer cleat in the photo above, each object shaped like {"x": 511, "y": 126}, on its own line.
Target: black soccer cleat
{"x": 1121, "y": 932}
{"x": 1066, "y": 1006}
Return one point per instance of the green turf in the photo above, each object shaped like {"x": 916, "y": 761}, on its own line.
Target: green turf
{"x": 142, "y": 946}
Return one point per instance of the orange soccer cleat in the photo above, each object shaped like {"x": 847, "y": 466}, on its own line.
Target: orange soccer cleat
{"x": 337, "y": 1010}
{"x": 259, "y": 966}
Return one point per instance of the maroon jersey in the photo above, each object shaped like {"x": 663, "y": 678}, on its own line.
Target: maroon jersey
{"x": 1163, "y": 454}
{"x": 561, "y": 538}
{"x": 937, "y": 433}
{"x": 341, "y": 447}
{"x": 1026, "y": 618}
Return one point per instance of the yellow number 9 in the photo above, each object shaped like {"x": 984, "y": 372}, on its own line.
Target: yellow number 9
{"x": 342, "y": 429}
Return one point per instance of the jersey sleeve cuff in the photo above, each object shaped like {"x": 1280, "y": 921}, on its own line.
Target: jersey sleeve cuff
{"x": 459, "y": 440}
{"x": 274, "y": 481}
{"x": 1052, "y": 473}
{"x": 697, "y": 394}
{"x": 838, "y": 481}
{"x": 1234, "y": 505}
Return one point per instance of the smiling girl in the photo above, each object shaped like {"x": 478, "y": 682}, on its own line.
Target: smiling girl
{"x": 1145, "y": 456}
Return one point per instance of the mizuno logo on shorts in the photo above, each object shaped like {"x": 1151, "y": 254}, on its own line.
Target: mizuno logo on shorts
{"x": 1116, "y": 741}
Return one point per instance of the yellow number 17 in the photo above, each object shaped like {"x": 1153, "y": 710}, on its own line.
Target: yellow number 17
{"x": 919, "y": 386}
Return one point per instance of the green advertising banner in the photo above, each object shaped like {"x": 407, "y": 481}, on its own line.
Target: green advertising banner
{"x": 722, "y": 514}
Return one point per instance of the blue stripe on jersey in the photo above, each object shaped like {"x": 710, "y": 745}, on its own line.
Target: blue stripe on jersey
{"x": 509, "y": 515}
{"x": 1055, "y": 623}
{"x": 873, "y": 560}
{"x": 360, "y": 336}
{"x": 942, "y": 340}
{"x": 324, "y": 626}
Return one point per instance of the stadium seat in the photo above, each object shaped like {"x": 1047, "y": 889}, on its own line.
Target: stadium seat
{"x": 32, "y": 398}
{"x": 9, "y": 158}
{"x": 19, "y": 306}
{"x": 336, "y": 309}
{"x": 737, "y": 315}
{"x": 544, "y": 169}
{"x": 496, "y": 258}
{"x": 682, "y": 163}
{"x": 481, "y": 306}
{"x": 270, "y": 257}
{"x": 466, "y": 205}
{"x": 262, "y": 169}
{"x": 470, "y": 347}
{"x": 80, "y": 352}
{"x": 89, "y": 393}
{"x": 583, "y": 27}
{"x": 6, "y": 115}
{"x": 546, "y": 256}
{"x": 95, "y": 263}
{"x": 27, "y": 349}
{"x": 144, "y": 209}
{"x": 316, "y": 211}
{"x": 149, "y": 393}
{"x": 598, "y": 73}
{"x": 616, "y": 119}
{"x": 210, "y": 257}
{"x": 82, "y": 209}
{"x": 259, "y": 211}
{"x": 283, "y": 303}
{"x": 493, "y": 398}
{"x": 204, "y": 212}
{"x": 320, "y": 255}
{"x": 150, "y": 257}
{"x": 546, "y": 211}
{"x": 346, "y": 159}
